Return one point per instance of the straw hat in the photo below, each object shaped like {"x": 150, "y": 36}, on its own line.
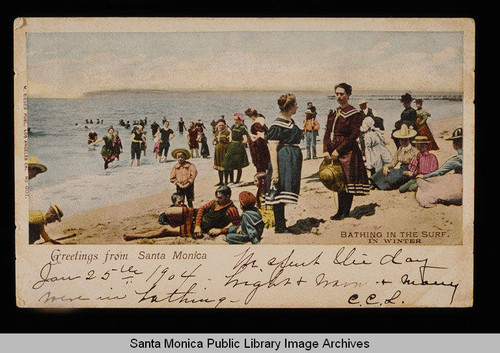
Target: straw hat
{"x": 33, "y": 163}
{"x": 363, "y": 101}
{"x": 331, "y": 175}
{"x": 421, "y": 139}
{"x": 57, "y": 211}
{"x": 457, "y": 134}
{"x": 405, "y": 132}
{"x": 181, "y": 150}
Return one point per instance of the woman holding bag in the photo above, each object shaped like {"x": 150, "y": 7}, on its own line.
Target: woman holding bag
{"x": 342, "y": 146}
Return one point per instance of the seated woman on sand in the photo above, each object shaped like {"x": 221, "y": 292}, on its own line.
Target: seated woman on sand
{"x": 376, "y": 152}
{"x": 390, "y": 177}
{"x": 445, "y": 184}
{"x": 425, "y": 163}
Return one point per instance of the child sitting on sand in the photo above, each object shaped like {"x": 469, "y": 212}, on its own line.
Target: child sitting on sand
{"x": 252, "y": 225}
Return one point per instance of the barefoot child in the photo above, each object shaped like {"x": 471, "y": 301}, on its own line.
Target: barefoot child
{"x": 183, "y": 174}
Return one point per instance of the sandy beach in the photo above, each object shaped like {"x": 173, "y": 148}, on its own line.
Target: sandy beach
{"x": 380, "y": 212}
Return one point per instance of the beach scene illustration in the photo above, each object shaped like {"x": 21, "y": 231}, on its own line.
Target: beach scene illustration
{"x": 232, "y": 137}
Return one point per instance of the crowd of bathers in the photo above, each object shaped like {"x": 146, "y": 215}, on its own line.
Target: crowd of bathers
{"x": 353, "y": 140}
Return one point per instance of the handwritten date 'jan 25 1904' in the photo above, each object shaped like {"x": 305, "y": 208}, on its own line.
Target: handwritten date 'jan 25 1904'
{"x": 178, "y": 283}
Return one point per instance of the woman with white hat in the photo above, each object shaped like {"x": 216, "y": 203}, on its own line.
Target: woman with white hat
{"x": 390, "y": 177}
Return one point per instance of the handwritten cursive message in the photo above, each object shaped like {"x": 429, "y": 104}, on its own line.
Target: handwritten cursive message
{"x": 244, "y": 277}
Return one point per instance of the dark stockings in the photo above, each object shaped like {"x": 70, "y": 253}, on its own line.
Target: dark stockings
{"x": 279, "y": 218}
{"x": 345, "y": 203}
{"x": 238, "y": 175}
{"x": 228, "y": 174}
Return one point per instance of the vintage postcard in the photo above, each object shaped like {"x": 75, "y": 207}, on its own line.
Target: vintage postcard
{"x": 244, "y": 162}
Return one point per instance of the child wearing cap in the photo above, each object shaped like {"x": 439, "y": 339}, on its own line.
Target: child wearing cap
{"x": 252, "y": 225}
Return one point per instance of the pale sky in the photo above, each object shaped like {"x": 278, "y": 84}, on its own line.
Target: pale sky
{"x": 71, "y": 64}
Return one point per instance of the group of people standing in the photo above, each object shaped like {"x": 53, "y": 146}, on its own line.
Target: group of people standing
{"x": 277, "y": 157}
{"x": 196, "y": 137}
{"x": 353, "y": 139}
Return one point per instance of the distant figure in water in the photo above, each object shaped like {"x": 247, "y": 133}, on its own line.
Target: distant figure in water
{"x": 107, "y": 151}
{"x": 92, "y": 137}
{"x": 117, "y": 145}
{"x": 137, "y": 140}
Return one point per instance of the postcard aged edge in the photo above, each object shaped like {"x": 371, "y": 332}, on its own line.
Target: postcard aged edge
{"x": 381, "y": 276}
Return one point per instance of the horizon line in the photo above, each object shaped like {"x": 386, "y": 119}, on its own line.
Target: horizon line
{"x": 140, "y": 91}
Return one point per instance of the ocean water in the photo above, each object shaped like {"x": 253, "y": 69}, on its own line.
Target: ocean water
{"x": 76, "y": 179}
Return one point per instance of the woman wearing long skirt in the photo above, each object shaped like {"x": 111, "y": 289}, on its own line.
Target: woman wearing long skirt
{"x": 221, "y": 141}
{"x": 285, "y": 167}
{"x": 205, "y": 152}
{"x": 236, "y": 156}
{"x": 259, "y": 151}
{"x": 345, "y": 123}
{"x": 423, "y": 128}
